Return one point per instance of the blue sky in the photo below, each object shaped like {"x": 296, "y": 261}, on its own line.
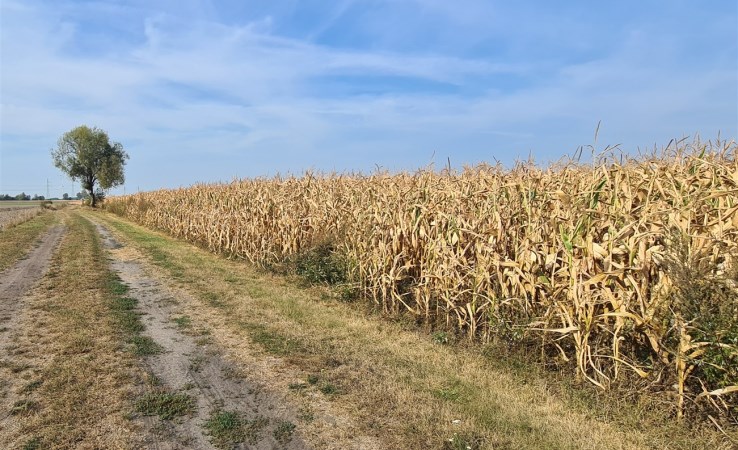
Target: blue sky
{"x": 200, "y": 90}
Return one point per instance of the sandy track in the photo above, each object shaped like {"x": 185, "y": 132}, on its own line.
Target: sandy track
{"x": 16, "y": 281}
{"x": 194, "y": 366}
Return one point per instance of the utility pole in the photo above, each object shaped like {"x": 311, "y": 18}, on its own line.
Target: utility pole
{"x": 47, "y": 189}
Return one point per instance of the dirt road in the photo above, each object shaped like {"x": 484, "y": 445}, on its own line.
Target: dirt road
{"x": 15, "y": 284}
{"x": 18, "y": 279}
{"x": 192, "y": 365}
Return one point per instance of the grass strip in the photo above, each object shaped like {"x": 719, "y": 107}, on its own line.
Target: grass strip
{"x": 166, "y": 405}
{"x": 128, "y": 321}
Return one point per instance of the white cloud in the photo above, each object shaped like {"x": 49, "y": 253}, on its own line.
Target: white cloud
{"x": 190, "y": 87}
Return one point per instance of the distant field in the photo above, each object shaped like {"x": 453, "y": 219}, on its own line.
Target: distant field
{"x": 14, "y": 216}
{"x": 13, "y": 212}
{"x": 14, "y": 204}
{"x": 22, "y": 204}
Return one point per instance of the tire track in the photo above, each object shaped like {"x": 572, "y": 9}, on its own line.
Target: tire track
{"x": 17, "y": 280}
{"x": 195, "y": 367}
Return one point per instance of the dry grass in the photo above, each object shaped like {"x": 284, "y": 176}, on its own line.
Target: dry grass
{"x": 17, "y": 241}
{"x": 11, "y": 217}
{"x": 583, "y": 261}
{"x": 83, "y": 378}
{"x": 396, "y": 386}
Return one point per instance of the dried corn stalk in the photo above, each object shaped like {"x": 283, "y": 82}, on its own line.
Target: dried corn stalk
{"x": 573, "y": 254}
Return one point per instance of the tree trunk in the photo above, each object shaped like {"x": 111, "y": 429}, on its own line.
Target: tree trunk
{"x": 89, "y": 184}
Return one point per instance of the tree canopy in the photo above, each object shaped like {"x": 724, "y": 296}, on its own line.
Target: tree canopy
{"x": 86, "y": 154}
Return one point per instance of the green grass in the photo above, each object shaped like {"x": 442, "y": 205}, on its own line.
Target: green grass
{"x": 32, "y": 444}
{"x": 329, "y": 389}
{"x": 450, "y": 391}
{"x": 184, "y": 322}
{"x": 117, "y": 287}
{"x": 273, "y": 342}
{"x": 283, "y": 432}
{"x": 126, "y": 317}
{"x": 229, "y": 428}
{"x": 297, "y": 386}
{"x": 145, "y": 346}
{"x": 214, "y": 299}
{"x": 32, "y": 386}
{"x": 128, "y": 320}
{"x": 166, "y": 405}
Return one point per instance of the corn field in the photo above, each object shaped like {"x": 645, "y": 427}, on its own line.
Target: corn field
{"x": 624, "y": 269}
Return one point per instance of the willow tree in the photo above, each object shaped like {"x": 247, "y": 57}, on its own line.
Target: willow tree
{"x": 87, "y": 155}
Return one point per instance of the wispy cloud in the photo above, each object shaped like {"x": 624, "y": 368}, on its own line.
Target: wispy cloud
{"x": 200, "y": 90}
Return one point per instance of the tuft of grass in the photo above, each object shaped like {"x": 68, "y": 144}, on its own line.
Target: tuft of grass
{"x": 306, "y": 415}
{"x": 450, "y": 391}
{"x": 24, "y": 407}
{"x": 283, "y": 432}
{"x": 128, "y": 320}
{"x": 297, "y": 386}
{"x": 32, "y": 386}
{"x": 229, "y": 428}
{"x": 183, "y": 322}
{"x": 196, "y": 363}
{"x": 116, "y": 286}
{"x": 463, "y": 441}
{"x": 274, "y": 342}
{"x": 145, "y": 346}
{"x": 322, "y": 265}
{"x": 440, "y": 337}
{"x": 166, "y": 405}
{"x": 32, "y": 444}
{"x": 329, "y": 389}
